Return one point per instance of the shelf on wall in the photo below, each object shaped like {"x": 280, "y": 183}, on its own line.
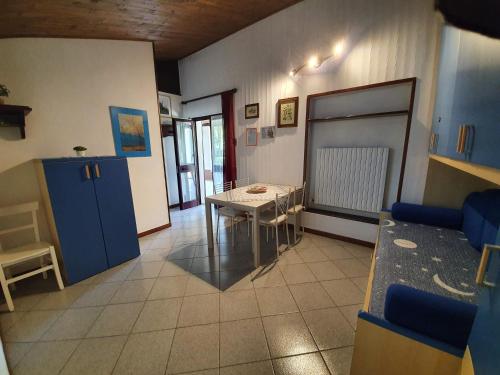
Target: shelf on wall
{"x": 14, "y": 116}
{"x": 360, "y": 116}
{"x": 481, "y": 171}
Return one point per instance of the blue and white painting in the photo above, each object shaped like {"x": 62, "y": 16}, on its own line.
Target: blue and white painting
{"x": 130, "y": 132}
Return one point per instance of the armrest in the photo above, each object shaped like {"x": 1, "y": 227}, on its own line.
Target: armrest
{"x": 439, "y": 317}
{"x": 437, "y": 216}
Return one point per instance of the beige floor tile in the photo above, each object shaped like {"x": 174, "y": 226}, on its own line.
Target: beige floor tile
{"x": 352, "y": 267}
{"x": 329, "y": 328}
{"x": 312, "y": 254}
{"x": 351, "y": 313}
{"x": 61, "y": 299}
{"x": 97, "y": 294}
{"x": 288, "y": 335}
{"x": 154, "y": 255}
{"x": 275, "y": 300}
{"x": 118, "y": 273}
{"x": 242, "y": 341}
{"x": 268, "y": 277}
{"x": 176, "y": 267}
{"x": 343, "y": 292}
{"x": 46, "y": 358}
{"x": 322, "y": 241}
{"x": 133, "y": 291}
{"x": 15, "y": 351}
{"x": 194, "y": 348}
{"x": 239, "y": 305}
{"x": 8, "y": 319}
{"x": 95, "y": 356}
{"x": 205, "y": 283}
{"x": 145, "y": 353}
{"x": 23, "y": 303}
{"x": 335, "y": 252}
{"x": 145, "y": 270}
{"x": 73, "y": 324}
{"x": 200, "y": 309}
{"x": 361, "y": 282}
{"x": 290, "y": 257}
{"x": 158, "y": 315}
{"x": 359, "y": 251}
{"x": 304, "y": 364}
{"x": 366, "y": 261}
{"x": 231, "y": 281}
{"x": 297, "y": 273}
{"x": 326, "y": 271}
{"x": 214, "y": 371}
{"x": 254, "y": 368}
{"x": 116, "y": 320}
{"x": 305, "y": 242}
{"x": 32, "y": 326}
{"x": 339, "y": 360}
{"x": 169, "y": 287}
{"x": 311, "y": 296}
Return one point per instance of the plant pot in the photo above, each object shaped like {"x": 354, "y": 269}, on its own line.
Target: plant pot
{"x": 81, "y": 153}
{"x": 2, "y": 100}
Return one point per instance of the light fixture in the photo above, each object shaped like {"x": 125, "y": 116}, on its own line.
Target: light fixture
{"x": 292, "y": 73}
{"x": 338, "y": 48}
{"x": 313, "y": 62}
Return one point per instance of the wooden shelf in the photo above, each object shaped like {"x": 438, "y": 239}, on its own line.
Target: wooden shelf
{"x": 361, "y": 116}
{"x": 481, "y": 171}
{"x": 14, "y": 116}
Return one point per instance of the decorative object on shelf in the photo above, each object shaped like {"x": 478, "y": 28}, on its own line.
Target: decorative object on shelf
{"x": 252, "y": 110}
{"x": 288, "y": 110}
{"x": 251, "y": 136}
{"x": 80, "y": 150}
{"x": 130, "y": 131}
{"x": 267, "y": 132}
{"x": 4, "y": 93}
{"x": 257, "y": 190}
{"x": 14, "y": 116}
{"x": 165, "y": 105}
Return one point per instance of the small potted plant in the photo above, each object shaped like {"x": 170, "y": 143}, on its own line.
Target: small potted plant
{"x": 80, "y": 150}
{"x": 4, "y": 93}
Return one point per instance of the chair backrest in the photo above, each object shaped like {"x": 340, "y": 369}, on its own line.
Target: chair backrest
{"x": 18, "y": 209}
{"x": 282, "y": 204}
{"x": 242, "y": 182}
{"x": 220, "y": 188}
{"x": 299, "y": 195}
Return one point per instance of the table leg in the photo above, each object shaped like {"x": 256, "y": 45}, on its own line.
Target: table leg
{"x": 210, "y": 230}
{"x": 256, "y": 238}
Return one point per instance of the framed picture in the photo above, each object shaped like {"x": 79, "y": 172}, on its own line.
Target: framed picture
{"x": 288, "y": 110}
{"x": 251, "y": 136}
{"x": 130, "y": 131}
{"x": 252, "y": 111}
{"x": 165, "y": 105}
{"x": 267, "y": 132}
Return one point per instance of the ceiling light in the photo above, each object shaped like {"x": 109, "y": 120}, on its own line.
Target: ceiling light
{"x": 338, "y": 49}
{"x": 313, "y": 62}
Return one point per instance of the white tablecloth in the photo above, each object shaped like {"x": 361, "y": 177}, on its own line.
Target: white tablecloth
{"x": 241, "y": 195}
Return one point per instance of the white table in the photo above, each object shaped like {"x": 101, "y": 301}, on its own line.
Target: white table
{"x": 241, "y": 200}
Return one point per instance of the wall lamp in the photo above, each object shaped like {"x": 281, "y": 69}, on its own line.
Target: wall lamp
{"x": 315, "y": 61}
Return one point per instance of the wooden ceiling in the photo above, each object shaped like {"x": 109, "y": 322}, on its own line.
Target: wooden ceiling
{"x": 177, "y": 27}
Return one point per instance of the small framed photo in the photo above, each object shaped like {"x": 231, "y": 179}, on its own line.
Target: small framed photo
{"x": 251, "y": 136}
{"x": 267, "y": 132}
{"x": 288, "y": 110}
{"x": 252, "y": 111}
{"x": 165, "y": 105}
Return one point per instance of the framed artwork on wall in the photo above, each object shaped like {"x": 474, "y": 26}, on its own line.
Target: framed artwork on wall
{"x": 252, "y": 111}
{"x": 251, "y": 136}
{"x": 288, "y": 110}
{"x": 165, "y": 105}
{"x": 267, "y": 132}
{"x": 130, "y": 132}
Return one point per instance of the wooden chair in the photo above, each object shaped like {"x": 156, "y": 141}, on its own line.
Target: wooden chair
{"x": 296, "y": 211}
{"x": 235, "y": 216}
{"x": 20, "y": 254}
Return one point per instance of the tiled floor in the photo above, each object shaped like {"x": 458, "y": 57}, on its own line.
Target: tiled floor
{"x": 180, "y": 309}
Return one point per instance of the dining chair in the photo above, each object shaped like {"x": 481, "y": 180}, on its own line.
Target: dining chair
{"x": 235, "y": 216}
{"x": 238, "y": 184}
{"x": 29, "y": 251}
{"x": 297, "y": 209}
{"x": 279, "y": 216}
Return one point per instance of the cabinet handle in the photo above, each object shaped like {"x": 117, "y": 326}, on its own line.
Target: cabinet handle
{"x": 87, "y": 171}
{"x": 470, "y": 139}
{"x": 97, "y": 170}
{"x": 460, "y": 130}
{"x": 464, "y": 137}
{"x": 433, "y": 141}
{"x": 485, "y": 257}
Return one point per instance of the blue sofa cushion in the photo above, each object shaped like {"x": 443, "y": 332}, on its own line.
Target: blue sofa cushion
{"x": 435, "y": 216}
{"x": 439, "y": 317}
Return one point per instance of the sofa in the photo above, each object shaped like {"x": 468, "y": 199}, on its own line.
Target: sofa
{"x": 421, "y": 296}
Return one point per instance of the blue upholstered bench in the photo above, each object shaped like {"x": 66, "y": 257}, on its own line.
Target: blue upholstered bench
{"x": 422, "y": 292}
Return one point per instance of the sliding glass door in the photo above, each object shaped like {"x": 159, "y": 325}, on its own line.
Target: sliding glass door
{"x": 217, "y": 141}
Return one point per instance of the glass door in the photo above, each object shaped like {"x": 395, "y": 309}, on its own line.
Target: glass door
{"x": 217, "y": 141}
{"x": 187, "y": 166}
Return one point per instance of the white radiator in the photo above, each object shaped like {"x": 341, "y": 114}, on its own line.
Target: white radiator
{"x": 351, "y": 178}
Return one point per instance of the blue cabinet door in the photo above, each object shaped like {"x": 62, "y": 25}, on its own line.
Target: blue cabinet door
{"x": 114, "y": 198}
{"x": 74, "y": 205}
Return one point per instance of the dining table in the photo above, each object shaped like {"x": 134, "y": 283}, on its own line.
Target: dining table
{"x": 247, "y": 199}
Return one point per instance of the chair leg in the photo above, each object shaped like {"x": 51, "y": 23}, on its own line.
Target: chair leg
{"x": 53, "y": 258}
{"x": 232, "y": 232}
{"x": 217, "y": 230}
{"x": 287, "y": 234}
{"x": 277, "y": 243}
{"x": 42, "y": 264}
{"x": 248, "y": 225}
{"x": 8, "y": 275}
{"x": 295, "y": 218}
{"x": 267, "y": 234}
{"x": 6, "y": 291}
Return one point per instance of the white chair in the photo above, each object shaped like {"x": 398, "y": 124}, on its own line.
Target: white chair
{"x": 235, "y": 216}
{"x": 296, "y": 211}
{"x": 274, "y": 219}
{"x": 242, "y": 182}
{"x": 20, "y": 254}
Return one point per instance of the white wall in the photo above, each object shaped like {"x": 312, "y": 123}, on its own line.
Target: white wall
{"x": 384, "y": 39}
{"x": 70, "y": 84}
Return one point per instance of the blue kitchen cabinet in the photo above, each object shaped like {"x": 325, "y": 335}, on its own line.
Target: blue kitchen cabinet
{"x": 91, "y": 213}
